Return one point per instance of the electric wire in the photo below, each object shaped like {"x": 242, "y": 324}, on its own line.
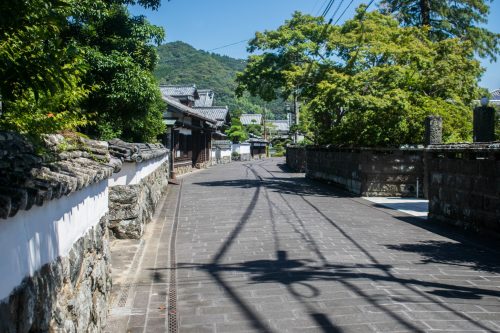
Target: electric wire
{"x": 224, "y": 46}
{"x": 328, "y": 7}
{"x": 350, "y": 3}
{"x": 320, "y": 8}
{"x": 314, "y": 7}
{"x": 328, "y": 24}
{"x": 210, "y": 50}
{"x": 337, "y": 9}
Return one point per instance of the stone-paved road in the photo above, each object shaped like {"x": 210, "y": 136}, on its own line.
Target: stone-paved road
{"x": 263, "y": 250}
{"x": 260, "y": 249}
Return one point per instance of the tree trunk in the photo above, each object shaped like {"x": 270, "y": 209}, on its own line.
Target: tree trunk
{"x": 425, "y": 12}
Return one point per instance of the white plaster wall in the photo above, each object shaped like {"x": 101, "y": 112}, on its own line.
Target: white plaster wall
{"x": 241, "y": 148}
{"x": 133, "y": 173}
{"x": 38, "y": 236}
{"x": 225, "y": 153}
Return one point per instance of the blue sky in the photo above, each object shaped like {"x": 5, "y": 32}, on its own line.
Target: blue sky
{"x": 210, "y": 24}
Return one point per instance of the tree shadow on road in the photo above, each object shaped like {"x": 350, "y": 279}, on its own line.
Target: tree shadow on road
{"x": 451, "y": 253}
{"x": 294, "y": 273}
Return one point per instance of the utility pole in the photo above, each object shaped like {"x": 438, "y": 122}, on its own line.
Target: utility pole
{"x": 264, "y": 120}
{"x": 265, "y": 134}
{"x": 296, "y": 114}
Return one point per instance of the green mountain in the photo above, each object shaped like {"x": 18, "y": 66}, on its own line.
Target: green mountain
{"x": 180, "y": 63}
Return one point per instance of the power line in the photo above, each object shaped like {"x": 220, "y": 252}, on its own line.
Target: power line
{"x": 315, "y": 4}
{"x": 319, "y": 9}
{"x": 345, "y": 9}
{"x": 336, "y": 10}
{"x": 224, "y": 46}
{"x": 304, "y": 77}
{"x": 350, "y": 3}
{"x": 210, "y": 50}
{"x": 328, "y": 7}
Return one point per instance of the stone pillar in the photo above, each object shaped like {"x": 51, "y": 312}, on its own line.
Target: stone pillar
{"x": 433, "y": 130}
{"x": 484, "y": 124}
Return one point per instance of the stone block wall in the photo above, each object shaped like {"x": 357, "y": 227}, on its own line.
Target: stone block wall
{"x": 54, "y": 266}
{"x": 132, "y": 206}
{"x": 464, "y": 185}
{"x": 69, "y": 294}
{"x": 296, "y": 158}
{"x": 181, "y": 168}
{"x": 368, "y": 171}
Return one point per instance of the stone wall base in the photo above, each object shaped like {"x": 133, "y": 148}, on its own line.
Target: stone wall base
{"x": 367, "y": 171}
{"x": 245, "y": 157}
{"x": 183, "y": 169}
{"x": 68, "y": 295}
{"x": 132, "y": 206}
{"x": 202, "y": 165}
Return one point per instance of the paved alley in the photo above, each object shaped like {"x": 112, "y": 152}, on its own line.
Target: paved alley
{"x": 260, "y": 249}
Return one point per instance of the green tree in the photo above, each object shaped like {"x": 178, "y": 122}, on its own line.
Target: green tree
{"x": 34, "y": 56}
{"x": 236, "y": 132}
{"x": 121, "y": 55}
{"x": 448, "y": 19}
{"x": 367, "y": 82}
{"x": 254, "y": 128}
{"x": 73, "y": 64}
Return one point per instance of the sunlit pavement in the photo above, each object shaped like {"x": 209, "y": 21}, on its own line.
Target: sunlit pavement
{"x": 411, "y": 206}
{"x": 260, "y": 249}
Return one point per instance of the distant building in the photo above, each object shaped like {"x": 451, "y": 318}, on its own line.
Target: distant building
{"x": 279, "y": 128}
{"x": 248, "y": 119}
{"x": 495, "y": 97}
{"x": 185, "y": 94}
{"x": 206, "y": 98}
{"x": 189, "y": 132}
{"x": 218, "y": 113}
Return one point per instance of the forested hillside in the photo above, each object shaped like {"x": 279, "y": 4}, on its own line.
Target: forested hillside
{"x": 180, "y": 63}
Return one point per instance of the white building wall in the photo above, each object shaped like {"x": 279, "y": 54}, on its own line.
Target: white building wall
{"x": 241, "y": 148}
{"x": 225, "y": 153}
{"x": 40, "y": 235}
{"x": 133, "y": 173}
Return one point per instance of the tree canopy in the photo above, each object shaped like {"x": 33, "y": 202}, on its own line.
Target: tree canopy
{"x": 236, "y": 132}
{"x": 79, "y": 65}
{"x": 367, "y": 82}
{"x": 445, "y": 19}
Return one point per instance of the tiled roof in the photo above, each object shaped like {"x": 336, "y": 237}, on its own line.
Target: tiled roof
{"x": 280, "y": 125}
{"x": 179, "y": 90}
{"x": 186, "y": 109}
{"x": 257, "y": 140}
{"x": 223, "y": 144}
{"x": 135, "y": 152}
{"x": 26, "y": 179}
{"x": 217, "y": 113}
{"x": 246, "y": 119}
{"x": 495, "y": 95}
{"x": 206, "y": 98}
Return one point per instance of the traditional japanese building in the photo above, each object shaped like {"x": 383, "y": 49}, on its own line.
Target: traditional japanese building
{"x": 185, "y": 94}
{"x": 248, "y": 119}
{"x": 222, "y": 117}
{"x": 257, "y": 144}
{"x": 279, "y": 128}
{"x": 189, "y": 132}
{"x": 495, "y": 97}
{"x": 206, "y": 98}
{"x": 258, "y": 147}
